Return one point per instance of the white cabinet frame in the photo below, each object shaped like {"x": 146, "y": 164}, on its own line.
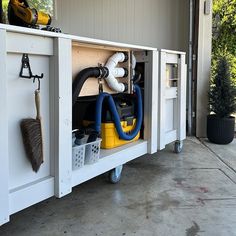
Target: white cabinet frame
{"x": 4, "y": 168}
{"x": 175, "y": 95}
{"x": 58, "y": 50}
{"x": 14, "y": 199}
{"x": 61, "y": 116}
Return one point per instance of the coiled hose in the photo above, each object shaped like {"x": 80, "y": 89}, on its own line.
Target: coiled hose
{"x": 116, "y": 118}
{"x": 103, "y": 71}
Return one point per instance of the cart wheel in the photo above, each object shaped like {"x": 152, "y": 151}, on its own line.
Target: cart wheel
{"x": 178, "y": 146}
{"x": 115, "y": 174}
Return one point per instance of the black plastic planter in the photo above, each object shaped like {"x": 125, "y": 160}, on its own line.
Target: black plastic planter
{"x": 220, "y": 130}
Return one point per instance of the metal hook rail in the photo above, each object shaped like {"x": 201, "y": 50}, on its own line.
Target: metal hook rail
{"x": 26, "y": 65}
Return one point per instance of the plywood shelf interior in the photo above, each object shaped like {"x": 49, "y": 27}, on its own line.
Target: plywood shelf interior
{"x": 90, "y": 55}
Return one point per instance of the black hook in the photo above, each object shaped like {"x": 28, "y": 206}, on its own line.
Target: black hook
{"x": 26, "y": 65}
{"x": 38, "y": 78}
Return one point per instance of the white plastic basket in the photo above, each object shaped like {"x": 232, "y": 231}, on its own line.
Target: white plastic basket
{"x": 92, "y": 152}
{"x": 78, "y": 153}
{"x": 83, "y": 154}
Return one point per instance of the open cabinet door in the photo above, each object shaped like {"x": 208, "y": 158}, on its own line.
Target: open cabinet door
{"x": 172, "y": 98}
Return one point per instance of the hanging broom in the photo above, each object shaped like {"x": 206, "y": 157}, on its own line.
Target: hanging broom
{"x": 31, "y": 130}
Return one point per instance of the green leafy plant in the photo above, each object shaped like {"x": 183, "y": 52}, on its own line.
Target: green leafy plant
{"x": 222, "y": 93}
{"x": 223, "y": 33}
{"x": 42, "y": 5}
{"x": 4, "y": 8}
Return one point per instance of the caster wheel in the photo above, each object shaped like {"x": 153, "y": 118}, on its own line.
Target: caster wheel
{"x": 115, "y": 174}
{"x": 178, "y": 146}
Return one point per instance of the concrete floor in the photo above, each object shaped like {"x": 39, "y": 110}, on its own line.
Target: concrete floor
{"x": 192, "y": 193}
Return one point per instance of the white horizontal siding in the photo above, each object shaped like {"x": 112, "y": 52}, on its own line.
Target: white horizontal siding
{"x": 157, "y": 23}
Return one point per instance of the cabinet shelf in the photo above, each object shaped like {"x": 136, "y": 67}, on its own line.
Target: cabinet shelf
{"x": 109, "y": 159}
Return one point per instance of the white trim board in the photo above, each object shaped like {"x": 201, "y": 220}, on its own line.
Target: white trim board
{"x": 25, "y": 30}
{"x": 22, "y": 198}
{"x": 109, "y": 160}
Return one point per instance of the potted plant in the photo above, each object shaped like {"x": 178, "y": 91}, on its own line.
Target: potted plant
{"x": 222, "y": 104}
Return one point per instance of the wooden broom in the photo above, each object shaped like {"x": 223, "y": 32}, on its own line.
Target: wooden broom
{"x": 31, "y": 130}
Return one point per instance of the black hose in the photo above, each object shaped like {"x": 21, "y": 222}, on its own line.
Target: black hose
{"x": 82, "y": 76}
{"x": 137, "y": 77}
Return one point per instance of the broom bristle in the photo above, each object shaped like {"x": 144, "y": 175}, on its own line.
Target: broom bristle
{"x": 32, "y": 139}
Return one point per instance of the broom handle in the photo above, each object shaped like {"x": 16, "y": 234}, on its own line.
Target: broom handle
{"x": 37, "y": 104}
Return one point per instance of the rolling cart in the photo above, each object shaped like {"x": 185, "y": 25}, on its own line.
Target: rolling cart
{"x": 60, "y": 57}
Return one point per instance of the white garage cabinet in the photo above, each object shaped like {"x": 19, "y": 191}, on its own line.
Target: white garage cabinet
{"x": 60, "y": 57}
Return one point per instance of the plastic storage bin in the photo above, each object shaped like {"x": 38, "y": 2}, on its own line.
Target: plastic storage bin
{"x": 83, "y": 154}
{"x": 92, "y": 152}
{"x": 78, "y": 153}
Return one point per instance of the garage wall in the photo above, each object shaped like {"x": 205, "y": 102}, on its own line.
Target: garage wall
{"x": 157, "y": 23}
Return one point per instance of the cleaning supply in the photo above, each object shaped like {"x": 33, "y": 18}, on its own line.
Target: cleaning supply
{"x": 139, "y": 114}
{"x": 125, "y": 106}
{"x": 31, "y": 130}
{"x": 118, "y": 120}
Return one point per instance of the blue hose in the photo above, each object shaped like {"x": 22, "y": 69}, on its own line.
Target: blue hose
{"x": 116, "y": 118}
